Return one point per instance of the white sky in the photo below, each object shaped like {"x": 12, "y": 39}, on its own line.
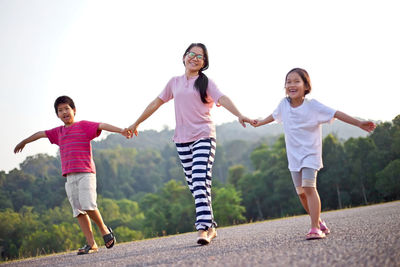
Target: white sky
{"x": 114, "y": 57}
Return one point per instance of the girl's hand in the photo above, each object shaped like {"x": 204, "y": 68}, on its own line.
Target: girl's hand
{"x": 368, "y": 126}
{"x": 256, "y": 123}
{"x": 244, "y": 119}
{"x": 260, "y": 122}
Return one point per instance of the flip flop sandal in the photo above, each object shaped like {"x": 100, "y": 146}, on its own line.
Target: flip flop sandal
{"x": 324, "y": 228}
{"x": 86, "y": 249}
{"x": 109, "y": 237}
{"x": 315, "y": 234}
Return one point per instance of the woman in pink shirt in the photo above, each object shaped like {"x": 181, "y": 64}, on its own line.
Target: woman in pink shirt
{"x": 195, "y": 135}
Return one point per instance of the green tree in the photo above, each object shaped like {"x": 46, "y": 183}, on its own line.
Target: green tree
{"x": 41, "y": 165}
{"x": 333, "y": 177}
{"x": 386, "y": 137}
{"x": 395, "y": 132}
{"x": 361, "y": 157}
{"x": 235, "y": 173}
{"x": 126, "y": 234}
{"x": 169, "y": 211}
{"x": 268, "y": 192}
{"x": 51, "y": 239}
{"x": 125, "y": 215}
{"x": 388, "y": 181}
{"x": 226, "y": 206}
{"x": 14, "y": 227}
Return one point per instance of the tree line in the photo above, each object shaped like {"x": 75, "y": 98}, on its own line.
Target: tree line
{"x": 142, "y": 193}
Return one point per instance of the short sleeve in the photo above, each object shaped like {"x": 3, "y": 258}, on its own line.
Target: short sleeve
{"x": 213, "y": 91}
{"x": 325, "y": 114}
{"x": 53, "y": 135}
{"x": 90, "y": 128}
{"x": 166, "y": 95}
{"x": 277, "y": 114}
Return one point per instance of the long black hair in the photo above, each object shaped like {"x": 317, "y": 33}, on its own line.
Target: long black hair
{"x": 201, "y": 82}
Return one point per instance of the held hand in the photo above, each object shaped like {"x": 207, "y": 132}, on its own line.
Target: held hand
{"x": 368, "y": 126}
{"x": 127, "y": 133}
{"x": 256, "y": 123}
{"x": 19, "y": 147}
{"x": 133, "y": 130}
{"x": 244, "y": 119}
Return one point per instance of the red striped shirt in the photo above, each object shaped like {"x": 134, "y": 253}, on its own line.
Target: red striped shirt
{"x": 75, "y": 147}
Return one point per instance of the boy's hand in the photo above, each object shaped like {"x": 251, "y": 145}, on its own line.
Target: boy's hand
{"x": 33, "y": 137}
{"x": 368, "y": 126}
{"x": 127, "y": 133}
{"x": 19, "y": 147}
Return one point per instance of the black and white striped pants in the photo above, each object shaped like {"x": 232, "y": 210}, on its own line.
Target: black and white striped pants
{"x": 197, "y": 159}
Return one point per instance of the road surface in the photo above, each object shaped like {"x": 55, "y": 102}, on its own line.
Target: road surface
{"x": 365, "y": 236}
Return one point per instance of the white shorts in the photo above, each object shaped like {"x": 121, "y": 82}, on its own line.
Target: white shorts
{"x": 306, "y": 177}
{"x": 81, "y": 192}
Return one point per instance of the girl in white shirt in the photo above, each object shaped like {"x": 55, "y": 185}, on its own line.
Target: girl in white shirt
{"x": 302, "y": 119}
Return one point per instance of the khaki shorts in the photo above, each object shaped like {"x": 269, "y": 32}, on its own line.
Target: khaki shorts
{"x": 81, "y": 192}
{"x": 306, "y": 177}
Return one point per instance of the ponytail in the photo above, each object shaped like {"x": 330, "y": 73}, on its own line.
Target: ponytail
{"x": 201, "y": 85}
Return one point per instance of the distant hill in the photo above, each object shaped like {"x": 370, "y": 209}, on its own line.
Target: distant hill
{"x": 226, "y": 132}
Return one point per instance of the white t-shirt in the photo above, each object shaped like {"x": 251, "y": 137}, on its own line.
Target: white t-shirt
{"x": 303, "y": 135}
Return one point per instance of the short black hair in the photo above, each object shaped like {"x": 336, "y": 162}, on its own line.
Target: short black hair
{"x": 63, "y": 100}
{"x": 304, "y": 76}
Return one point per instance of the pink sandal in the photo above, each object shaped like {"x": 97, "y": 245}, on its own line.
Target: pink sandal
{"x": 324, "y": 228}
{"x": 315, "y": 233}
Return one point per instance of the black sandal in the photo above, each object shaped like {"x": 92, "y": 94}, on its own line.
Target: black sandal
{"x": 109, "y": 237}
{"x": 86, "y": 249}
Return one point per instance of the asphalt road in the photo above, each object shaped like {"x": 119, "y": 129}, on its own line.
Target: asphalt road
{"x": 366, "y": 236}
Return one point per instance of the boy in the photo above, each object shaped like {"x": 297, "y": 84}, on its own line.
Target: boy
{"x": 78, "y": 167}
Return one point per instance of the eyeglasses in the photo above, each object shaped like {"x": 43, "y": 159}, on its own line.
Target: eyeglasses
{"x": 192, "y": 55}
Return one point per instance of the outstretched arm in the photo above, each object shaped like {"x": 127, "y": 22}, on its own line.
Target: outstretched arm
{"x": 227, "y": 103}
{"x": 368, "y": 126}
{"x": 150, "y": 109}
{"x": 114, "y": 129}
{"x": 267, "y": 120}
{"x": 30, "y": 139}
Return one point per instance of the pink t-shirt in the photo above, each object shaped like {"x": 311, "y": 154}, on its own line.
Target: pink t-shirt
{"x": 75, "y": 147}
{"x": 193, "y": 119}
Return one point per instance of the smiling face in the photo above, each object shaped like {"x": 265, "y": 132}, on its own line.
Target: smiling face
{"x": 295, "y": 87}
{"x": 66, "y": 113}
{"x": 194, "y": 60}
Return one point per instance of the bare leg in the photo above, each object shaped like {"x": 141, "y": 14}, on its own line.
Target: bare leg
{"x": 86, "y": 227}
{"x": 303, "y": 200}
{"x": 314, "y": 205}
{"x": 98, "y": 220}
{"x": 96, "y": 217}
